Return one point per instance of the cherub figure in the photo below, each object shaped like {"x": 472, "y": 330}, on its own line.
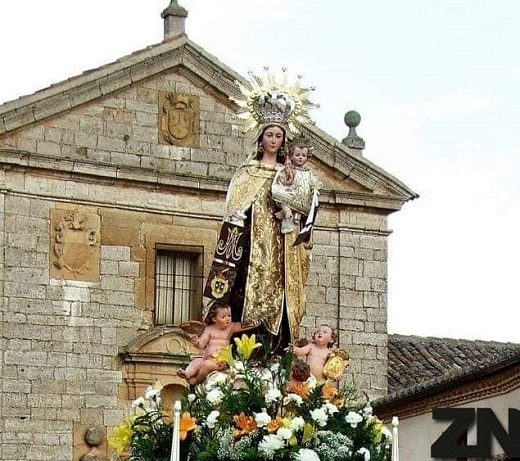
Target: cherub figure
{"x": 294, "y": 187}
{"x": 317, "y": 352}
{"x": 216, "y": 335}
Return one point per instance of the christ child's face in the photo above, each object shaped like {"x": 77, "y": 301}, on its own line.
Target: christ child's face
{"x": 300, "y": 156}
{"x": 323, "y": 336}
{"x": 223, "y": 317}
{"x": 272, "y": 140}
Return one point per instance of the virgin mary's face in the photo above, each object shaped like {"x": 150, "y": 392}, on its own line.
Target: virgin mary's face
{"x": 272, "y": 140}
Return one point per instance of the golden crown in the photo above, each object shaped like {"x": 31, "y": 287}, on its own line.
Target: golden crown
{"x": 268, "y": 100}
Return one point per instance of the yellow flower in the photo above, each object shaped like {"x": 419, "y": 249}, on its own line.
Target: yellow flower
{"x": 224, "y": 355}
{"x": 121, "y": 436}
{"x": 246, "y": 345}
{"x": 307, "y": 431}
{"x": 377, "y": 427}
{"x": 187, "y": 424}
{"x": 285, "y": 422}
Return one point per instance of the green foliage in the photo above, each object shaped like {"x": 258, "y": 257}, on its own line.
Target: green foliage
{"x": 152, "y": 437}
{"x": 253, "y": 411}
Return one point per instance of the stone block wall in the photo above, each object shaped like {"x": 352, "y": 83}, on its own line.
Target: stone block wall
{"x": 347, "y": 289}
{"x": 62, "y": 334}
{"x": 61, "y": 338}
{"x": 122, "y": 130}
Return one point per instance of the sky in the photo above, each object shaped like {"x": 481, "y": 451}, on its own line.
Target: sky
{"x": 436, "y": 83}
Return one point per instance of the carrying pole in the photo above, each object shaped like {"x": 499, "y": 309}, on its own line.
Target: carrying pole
{"x": 395, "y": 439}
{"x": 176, "y": 451}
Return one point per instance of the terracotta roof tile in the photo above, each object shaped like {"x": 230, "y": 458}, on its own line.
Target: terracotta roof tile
{"x": 415, "y": 360}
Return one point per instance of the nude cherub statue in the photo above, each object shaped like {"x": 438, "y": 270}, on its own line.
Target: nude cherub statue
{"x": 317, "y": 352}
{"x": 216, "y": 335}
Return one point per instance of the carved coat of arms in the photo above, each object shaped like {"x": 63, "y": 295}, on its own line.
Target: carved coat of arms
{"x": 179, "y": 119}
{"x": 75, "y": 244}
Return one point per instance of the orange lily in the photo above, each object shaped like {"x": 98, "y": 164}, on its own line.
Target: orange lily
{"x": 187, "y": 424}
{"x": 329, "y": 391}
{"x": 298, "y": 388}
{"x": 339, "y": 402}
{"x": 274, "y": 425}
{"x": 245, "y": 424}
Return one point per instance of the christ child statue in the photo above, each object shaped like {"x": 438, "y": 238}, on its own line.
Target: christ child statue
{"x": 294, "y": 186}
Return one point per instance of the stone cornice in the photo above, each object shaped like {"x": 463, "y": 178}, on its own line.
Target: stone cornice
{"x": 361, "y": 170}
{"x": 361, "y": 199}
{"x": 212, "y": 73}
{"x": 153, "y": 357}
{"x": 106, "y": 173}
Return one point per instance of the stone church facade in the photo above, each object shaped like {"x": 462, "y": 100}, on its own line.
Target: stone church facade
{"x": 112, "y": 186}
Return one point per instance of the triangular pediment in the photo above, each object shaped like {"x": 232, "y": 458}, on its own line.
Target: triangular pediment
{"x": 180, "y": 55}
{"x": 348, "y": 178}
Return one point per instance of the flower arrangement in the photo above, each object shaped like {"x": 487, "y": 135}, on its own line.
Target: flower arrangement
{"x": 258, "y": 410}
{"x": 146, "y": 435}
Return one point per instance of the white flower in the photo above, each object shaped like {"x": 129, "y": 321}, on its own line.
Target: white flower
{"x": 264, "y": 374}
{"x": 275, "y": 367}
{"x": 367, "y": 411}
{"x": 262, "y": 419}
{"x": 295, "y": 398}
{"x": 214, "y": 396}
{"x": 353, "y": 418}
{"x": 140, "y": 402}
{"x": 191, "y": 398}
{"x": 269, "y": 444}
{"x": 284, "y": 433}
{"x": 320, "y": 416}
{"x": 306, "y": 454}
{"x": 272, "y": 395}
{"x": 239, "y": 366}
{"x": 154, "y": 404}
{"x": 214, "y": 379}
{"x": 151, "y": 393}
{"x": 311, "y": 382}
{"x": 297, "y": 423}
{"x": 330, "y": 408}
{"x": 363, "y": 451}
{"x": 386, "y": 433}
{"x": 211, "y": 420}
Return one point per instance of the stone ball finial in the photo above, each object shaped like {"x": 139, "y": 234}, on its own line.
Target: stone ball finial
{"x": 352, "y": 119}
{"x": 94, "y": 436}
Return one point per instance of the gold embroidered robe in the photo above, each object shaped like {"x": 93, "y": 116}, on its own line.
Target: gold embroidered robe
{"x": 277, "y": 271}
